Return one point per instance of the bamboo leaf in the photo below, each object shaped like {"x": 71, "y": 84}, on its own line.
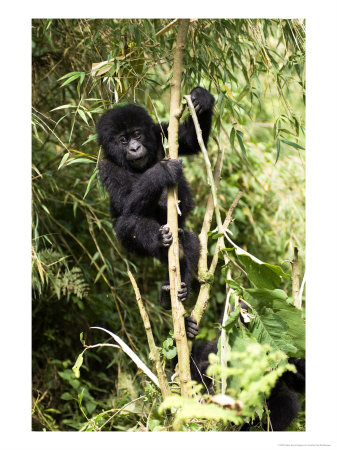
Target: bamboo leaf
{"x": 80, "y": 161}
{"x": 139, "y": 363}
{"x": 278, "y": 149}
{"x": 63, "y": 107}
{"x": 93, "y": 176}
{"x": 63, "y": 160}
{"x": 83, "y": 116}
{"x": 74, "y": 77}
{"x": 232, "y": 137}
{"x": 239, "y": 136}
{"x": 293, "y": 144}
{"x": 91, "y": 138}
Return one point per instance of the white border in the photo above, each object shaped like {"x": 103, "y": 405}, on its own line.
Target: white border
{"x": 15, "y": 224}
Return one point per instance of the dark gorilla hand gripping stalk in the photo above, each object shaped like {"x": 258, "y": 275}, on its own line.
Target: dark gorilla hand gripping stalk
{"x": 136, "y": 175}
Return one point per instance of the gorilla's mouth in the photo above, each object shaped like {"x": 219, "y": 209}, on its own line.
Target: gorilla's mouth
{"x": 139, "y": 161}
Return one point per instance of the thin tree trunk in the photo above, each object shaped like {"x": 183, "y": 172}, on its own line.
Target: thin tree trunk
{"x": 172, "y": 217}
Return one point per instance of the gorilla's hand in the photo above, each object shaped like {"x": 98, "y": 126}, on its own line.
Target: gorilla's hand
{"x": 191, "y": 327}
{"x": 202, "y": 100}
{"x": 173, "y": 169}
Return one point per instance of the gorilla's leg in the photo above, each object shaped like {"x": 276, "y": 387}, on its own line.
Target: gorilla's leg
{"x": 189, "y": 256}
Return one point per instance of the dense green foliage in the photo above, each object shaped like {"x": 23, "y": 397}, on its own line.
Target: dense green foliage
{"x": 255, "y": 69}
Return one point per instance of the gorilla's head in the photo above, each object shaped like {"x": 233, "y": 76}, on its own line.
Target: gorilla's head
{"x": 127, "y": 136}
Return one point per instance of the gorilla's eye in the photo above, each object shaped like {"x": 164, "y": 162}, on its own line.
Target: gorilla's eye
{"x": 123, "y": 140}
{"x": 137, "y": 134}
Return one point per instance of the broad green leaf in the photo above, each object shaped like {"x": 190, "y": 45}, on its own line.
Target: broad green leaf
{"x": 66, "y": 396}
{"x": 232, "y": 283}
{"x": 270, "y": 329}
{"x": 232, "y": 319}
{"x": 170, "y": 353}
{"x": 261, "y": 274}
{"x": 90, "y": 406}
{"x": 263, "y": 300}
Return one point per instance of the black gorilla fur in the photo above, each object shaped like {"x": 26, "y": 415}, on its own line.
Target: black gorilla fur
{"x": 283, "y": 402}
{"x": 136, "y": 175}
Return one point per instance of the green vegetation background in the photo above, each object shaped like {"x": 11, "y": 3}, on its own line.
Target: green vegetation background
{"x": 255, "y": 69}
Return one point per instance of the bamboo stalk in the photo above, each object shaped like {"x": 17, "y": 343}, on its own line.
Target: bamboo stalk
{"x": 204, "y": 293}
{"x": 295, "y": 278}
{"x": 163, "y": 383}
{"x": 208, "y": 167}
{"x": 206, "y": 226}
{"x": 172, "y": 217}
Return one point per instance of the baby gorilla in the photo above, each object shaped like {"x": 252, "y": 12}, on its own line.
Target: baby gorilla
{"x": 282, "y": 403}
{"x": 136, "y": 175}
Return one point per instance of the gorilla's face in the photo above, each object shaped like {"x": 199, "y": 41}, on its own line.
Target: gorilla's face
{"x": 127, "y": 136}
{"x": 132, "y": 143}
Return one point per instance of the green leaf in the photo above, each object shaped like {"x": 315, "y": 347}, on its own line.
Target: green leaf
{"x": 239, "y": 136}
{"x": 90, "y": 406}
{"x": 82, "y": 77}
{"x": 80, "y": 160}
{"x": 80, "y": 397}
{"x": 83, "y": 116}
{"x": 232, "y": 137}
{"x": 63, "y": 107}
{"x": 63, "y": 160}
{"x": 171, "y": 353}
{"x": 93, "y": 176}
{"x": 101, "y": 270}
{"x": 231, "y": 283}
{"x": 82, "y": 339}
{"x": 293, "y": 144}
{"x": 261, "y": 274}
{"x": 69, "y": 80}
{"x": 77, "y": 365}
{"x": 217, "y": 235}
{"x": 67, "y": 75}
{"x": 92, "y": 138}
{"x": 270, "y": 329}
{"x": 278, "y": 149}
{"x": 66, "y": 396}
{"x": 232, "y": 319}
{"x": 264, "y": 300}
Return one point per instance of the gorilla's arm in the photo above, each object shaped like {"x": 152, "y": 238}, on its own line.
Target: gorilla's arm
{"x": 140, "y": 235}
{"x": 203, "y": 103}
{"x": 118, "y": 182}
{"x": 148, "y": 188}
